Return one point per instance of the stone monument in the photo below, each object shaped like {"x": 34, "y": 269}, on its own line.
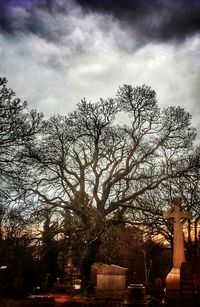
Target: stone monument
{"x": 173, "y": 278}
{"x": 109, "y": 281}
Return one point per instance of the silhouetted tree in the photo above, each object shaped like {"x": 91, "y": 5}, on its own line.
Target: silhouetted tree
{"x": 17, "y": 248}
{"x": 90, "y": 165}
{"x": 18, "y": 125}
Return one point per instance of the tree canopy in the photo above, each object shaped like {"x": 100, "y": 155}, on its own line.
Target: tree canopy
{"x": 86, "y": 160}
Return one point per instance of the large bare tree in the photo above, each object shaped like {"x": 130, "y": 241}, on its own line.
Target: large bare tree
{"x": 87, "y": 163}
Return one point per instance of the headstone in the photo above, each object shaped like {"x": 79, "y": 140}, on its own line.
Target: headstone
{"x": 110, "y": 281}
{"x": 173, "y": 278}
{"x": 135, "y": 296}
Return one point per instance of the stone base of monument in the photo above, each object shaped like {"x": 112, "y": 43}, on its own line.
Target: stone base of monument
{"x": 172, "y": 291}
{"x": 173, "y": 280}
{"x": 187, "y": 285}
{"x": 135, "y": 296}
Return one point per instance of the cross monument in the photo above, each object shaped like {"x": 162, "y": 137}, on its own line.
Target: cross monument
{"x": 173, "y": 278}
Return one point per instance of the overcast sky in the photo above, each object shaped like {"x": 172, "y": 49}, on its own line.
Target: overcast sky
{"x": 55, "y": 52}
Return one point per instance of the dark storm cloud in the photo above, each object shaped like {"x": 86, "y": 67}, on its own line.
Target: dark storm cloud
{"x": 153, "y": 19}
{"x": 61, "y": 22}
{"x": 149, "y": 20}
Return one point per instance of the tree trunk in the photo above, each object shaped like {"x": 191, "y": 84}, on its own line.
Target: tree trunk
{"x": 87, "y": 263}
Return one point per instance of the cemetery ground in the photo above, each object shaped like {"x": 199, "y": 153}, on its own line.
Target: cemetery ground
{"x": 61, "y": 300}
{"x": 110, "y": 283}
{"x": 76, "y": 298}
{"x": 55, "y": 300}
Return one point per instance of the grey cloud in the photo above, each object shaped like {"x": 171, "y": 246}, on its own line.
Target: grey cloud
{"x": 26, "y": 63}
{"x": 57, "y": 56}
{"x": 161, "y": 20}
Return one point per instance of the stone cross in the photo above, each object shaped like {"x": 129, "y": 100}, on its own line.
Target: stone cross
{"x": 178, "y": 245}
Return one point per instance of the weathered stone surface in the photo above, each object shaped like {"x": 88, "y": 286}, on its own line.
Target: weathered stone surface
{"x": 105, "y": 269}
{"x": 110, "y": 281}
{"x": 178, "y": 214}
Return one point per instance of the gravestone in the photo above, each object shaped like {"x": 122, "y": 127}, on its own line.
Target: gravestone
{"x": 109, "y": 281}
{"x": 135, "y": 296}
{"x": 173, "y": 284}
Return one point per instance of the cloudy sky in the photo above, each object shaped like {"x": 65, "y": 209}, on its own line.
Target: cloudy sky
{"x": 55, "y": 52}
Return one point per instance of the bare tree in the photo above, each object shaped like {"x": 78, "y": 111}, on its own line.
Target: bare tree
{"x": 18, "y": 125}
{"x": 87, "y": 163}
